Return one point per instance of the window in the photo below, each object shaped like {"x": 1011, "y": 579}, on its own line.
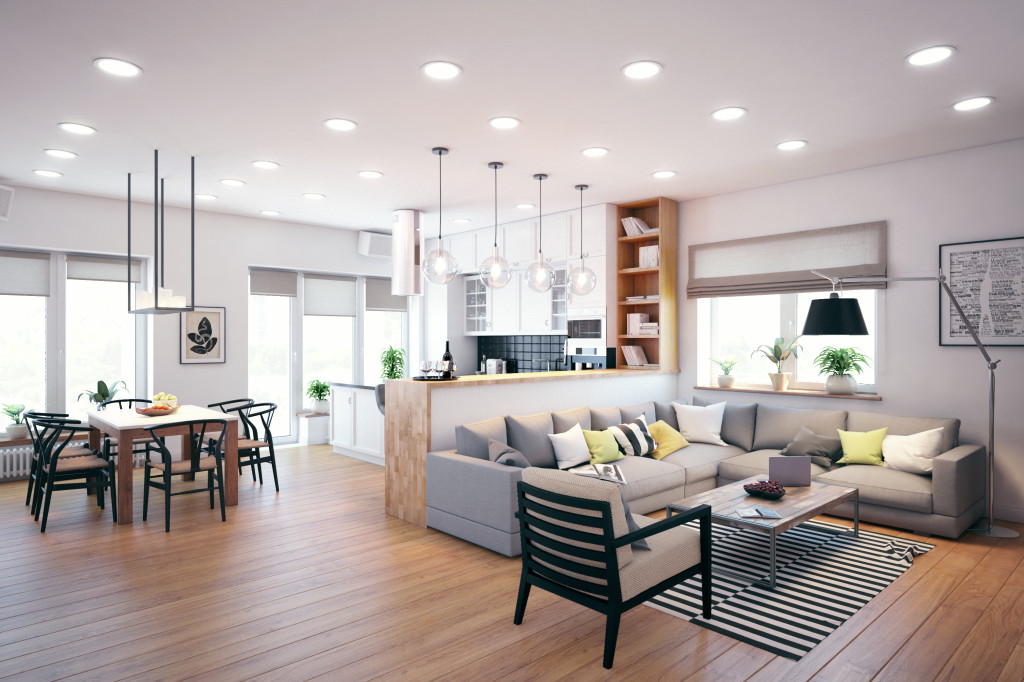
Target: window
{"x": 382, "y": 328}
{"x": 327, "y": 349}
{"x": 270, "y": 352}
{"x": 23, "y": 350}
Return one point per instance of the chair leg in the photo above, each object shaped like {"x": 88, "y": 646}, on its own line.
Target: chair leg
{"x": 611, "y": 634}
{"x": 273, "y": 466}
{"x": 33, "y": 464}
{"x": 100, "y": 488}
{"x": 209, "y": 485}
{"x": 167, "y": 501}
{"x": 524, "y": 595}
{"x": 220, "y": 489}
{"x": 145, "y": 495}
{"x": 112, "y": 476}
{"x": 258, "y": 463}
{"x": 46, "y": 502}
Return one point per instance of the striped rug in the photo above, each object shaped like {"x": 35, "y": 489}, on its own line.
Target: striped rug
{"x": 821, "y": 580}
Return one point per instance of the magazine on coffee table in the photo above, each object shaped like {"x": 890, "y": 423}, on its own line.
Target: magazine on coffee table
{"x": 605, "y": 472}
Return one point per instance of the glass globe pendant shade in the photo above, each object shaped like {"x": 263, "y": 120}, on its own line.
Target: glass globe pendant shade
{"x": 495, "y": 271}
{"x": 440, "y": 266}
{"x": 540, "y": 276}
{"x": 582, "y": 279}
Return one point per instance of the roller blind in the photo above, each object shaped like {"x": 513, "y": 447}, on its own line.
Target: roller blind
{"x": 102, "y": 269}
{"x": 782, "y": 263}
{"x": 323, "y": 295}
{"x": 378, "y": 296}
{"x": 24, "y": 273}
{"x": 273, "y": 282}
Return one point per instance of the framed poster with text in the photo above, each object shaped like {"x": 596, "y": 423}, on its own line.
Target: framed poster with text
{"x": 987, "y": 278}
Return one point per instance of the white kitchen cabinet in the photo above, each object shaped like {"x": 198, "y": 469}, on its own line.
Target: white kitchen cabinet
{"x": 559, "y": 300}
{"x": 595, "y": 230}
{"x": 519, "y": 243}
{"x": 505, "y": 307}
{"x": 556, "y": 237}
{"x": 463, "y": 247}
{"x": 342, "y": 415}
{"x": 357, "y": 426}
{"x": 534, "y": 309}
{"x": 477, "y": 306}
{"x": 597, "y": 297}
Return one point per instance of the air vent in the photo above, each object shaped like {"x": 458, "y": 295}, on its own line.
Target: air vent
{"x": 374, "y": 245}
{"x": 6, "y": 200}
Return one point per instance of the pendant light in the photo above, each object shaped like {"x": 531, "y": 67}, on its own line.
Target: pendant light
{"x": 495, "y": 271}
{"x": 540, "y": 276}
{"x": 440, "y": 266}
{"x": 582, "y": 279}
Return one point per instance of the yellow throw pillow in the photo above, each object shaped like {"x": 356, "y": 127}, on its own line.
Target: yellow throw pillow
{"x": 603, "y": 447}
{"x": 862, "y": 447}
{"x": 668, "y": 439}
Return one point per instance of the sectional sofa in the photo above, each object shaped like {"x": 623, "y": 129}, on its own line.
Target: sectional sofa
{"x": 473, "y": 498}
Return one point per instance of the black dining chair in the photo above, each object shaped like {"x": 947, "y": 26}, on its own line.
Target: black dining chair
{"x": 205, "y": 452}
{"x": 254, "y": 451}
{"x": 90, "y": 472}
{"x": 139, "y": 446}
{"x": 34, "y": 472}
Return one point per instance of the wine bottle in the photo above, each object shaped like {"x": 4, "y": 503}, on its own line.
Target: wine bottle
{"x": 448, "y": 370}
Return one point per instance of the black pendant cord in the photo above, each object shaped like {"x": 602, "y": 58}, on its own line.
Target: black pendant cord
{"x": 581, "y": 188}
{"x": 163, "y": 243}
{"x": 540, "y": 177}
{"x": 129, "y": 287}
{"x": 192, "y": 183}
{"x": 440, "y": 221}
{"x": 156, "y": 227}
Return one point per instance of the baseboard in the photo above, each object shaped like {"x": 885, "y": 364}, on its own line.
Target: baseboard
{"x": 355, "y": 454}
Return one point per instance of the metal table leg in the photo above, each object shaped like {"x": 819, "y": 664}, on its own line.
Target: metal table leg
{"x": 771, "y": 579}
{"x": 856, "y": 513}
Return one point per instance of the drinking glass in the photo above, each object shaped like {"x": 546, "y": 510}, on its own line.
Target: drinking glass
{"x": 425, "y": 367}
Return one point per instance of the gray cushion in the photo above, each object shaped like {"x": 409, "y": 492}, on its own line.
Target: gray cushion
{"x": 822, "y": 450}
{"x": 528, "y": 434}
{"x": 503, "y": 453}
{"x": 738, "y": 422}
{"x": 633, "y": 411}
{"x": 645, "y": 476}
{"x": 472, "y": 439}
{"x": 633, "y": 527}
{"x": 776, "y": 426}
{"x": 566, "y": 419}
{"x": 603, "y": 417}
{"x": 666, "y": 413}
{"x": 885, "y": 487}
{"x": 754, "y": 464}
{"x": 905, "y": 426}
{"x": 699, "y": 461}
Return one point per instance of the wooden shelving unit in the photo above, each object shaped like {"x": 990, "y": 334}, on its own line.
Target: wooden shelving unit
{"x": 632, "y": 280}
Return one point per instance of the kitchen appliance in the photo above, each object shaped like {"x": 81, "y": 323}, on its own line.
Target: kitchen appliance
{"x": 587, "y": 344}
{"x": 495, "y": 366}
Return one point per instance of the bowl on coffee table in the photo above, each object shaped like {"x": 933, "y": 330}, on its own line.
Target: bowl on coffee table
{"x": 771, "y": 490}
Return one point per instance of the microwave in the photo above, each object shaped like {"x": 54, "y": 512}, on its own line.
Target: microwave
{"x": 586, "y": 328}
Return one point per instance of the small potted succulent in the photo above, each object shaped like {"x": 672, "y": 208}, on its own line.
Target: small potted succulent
{"x": 318, "y": 392}
{"x": 17, "y": 429}
{"x": 726, "y": 380}
{"x": 839, "y": 365}
{"x": 103, "y": 392}
{"x": 778, "y": 353}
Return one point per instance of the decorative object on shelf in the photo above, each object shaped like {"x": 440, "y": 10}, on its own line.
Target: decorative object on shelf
{"x": 540, "y": 276}
{"x": 778, "y": 353}
{"x": 103, "y": 392}
{"x": 317, "y": 391}
{"x": 839, "y": 364}
{"x": 987, "y": 278}
{"x": 16, "y": 412}
{"x": 161, "y": 300}
{"x": 440, "y": 266}
{"x": 495, "y": 271}
{"x": 582, "y": 279}
{"x": 392, "y": 363}
{"x": 447, "y": 363}
{"x": 725, "y": 379}
{"x": 201, "y": 339}
{"x": 819, "y": 315}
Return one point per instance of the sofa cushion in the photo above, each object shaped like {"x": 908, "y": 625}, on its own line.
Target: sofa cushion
{"x": 822, "y": 450}
{"x": 502, "y": 453}
{"x": 913, "y": 454}
{"x": 566, "y": 419}
{"x": 754, "y": 464}
{"x": 528, "y": 433}
{"x": 861, "y": 447}
{"x": 631, "y": 412}
{"x": 472, "y": 439}
{"x": 885, "y": 487}
{"x": 645, "y": 476}
{"x": 700, "y": 461}
{"x": 776, "y": 426}
{"x": 905, "y": 426}
{"x": 737, "y": 423}
{"x": 701, "y": 424}
{"x": 603, "y": 417}
{"x": 668, "y": 440}
{"x": 603, "y": 447}
{"x": 570, "y": 448}
{"x": 633, "y": 437}
{"x": 666, "y": 412}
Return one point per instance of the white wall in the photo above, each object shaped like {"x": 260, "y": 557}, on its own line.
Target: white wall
{"x": 226, "y": 247}
{"x": 960, "y": 196}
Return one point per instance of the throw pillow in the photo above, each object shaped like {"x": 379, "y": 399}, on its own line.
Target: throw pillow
{"x": 570, "y": 448}
{"x": 822, "y": 450}
{"x": 913, "y": 454}
{"x": 701, "y": 424}
{"x": 668, "y": 439}
{"x": 603, "y": 447}
{"x": 501, "y": 453}
{"x": 528, "y": 433}
{"x": 633, "y": 527}
{"x": 862, "y": 447}
{"x": 633, "y": 438}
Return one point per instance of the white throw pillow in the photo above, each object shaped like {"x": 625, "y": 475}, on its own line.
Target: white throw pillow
{"x": 701, "y": 424}
{"x": 913, "y": 454}
{"x": 570, "y": 448}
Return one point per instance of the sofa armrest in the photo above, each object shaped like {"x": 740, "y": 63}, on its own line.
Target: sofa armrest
{"x": 474, "y": 489}
{"x": 959, "y": 479}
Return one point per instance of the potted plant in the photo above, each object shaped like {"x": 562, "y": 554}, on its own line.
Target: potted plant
{"x": 17, "y": 429}
{"x": 778, "y": 353}
{"x": 839, "y": 364}
{"x": 318, "y": 391}
{"x": 392, "y": 363}
{"x": 726, "y": 380}
{"x": 103, "y": 392}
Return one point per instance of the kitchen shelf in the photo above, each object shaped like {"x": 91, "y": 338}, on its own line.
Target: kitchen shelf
{"x": 646, "y": 301}
{"x": 645, "y": 237}
{"x": 640, "y": 271}
{"x": 639, "y": 336}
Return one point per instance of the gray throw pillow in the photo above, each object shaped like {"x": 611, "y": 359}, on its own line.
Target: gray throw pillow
{"x": 566, "y": 419}
{"x": 631, "y": 412}
{"x": 822, "y": 450}
{"x": 737, "y": 424}
{"x": 528, "y": 434}
{"x": 472, "y": 439}
{"x": 603, "y": 417}
{"x": 502, "y": 453}
{"x": 633, "y": 526}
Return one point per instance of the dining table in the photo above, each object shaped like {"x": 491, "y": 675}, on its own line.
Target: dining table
{"x": 127, "y": 426}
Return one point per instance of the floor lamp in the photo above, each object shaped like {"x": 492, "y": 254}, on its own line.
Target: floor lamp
{"x": 835, "y": 315}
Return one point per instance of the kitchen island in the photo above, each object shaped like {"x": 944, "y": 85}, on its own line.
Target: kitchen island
{"x": 421, "y": 416}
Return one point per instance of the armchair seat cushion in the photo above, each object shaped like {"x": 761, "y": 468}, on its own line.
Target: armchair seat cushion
{"x": 184, "y": 466}
{"x": 249, "y": 444}
{"x": 672, "y": 551}
{"x": 68, "y": 464}
{"x": 884, "y": 487}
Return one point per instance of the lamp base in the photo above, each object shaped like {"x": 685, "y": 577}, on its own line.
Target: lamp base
{"x": 994, "y": 531}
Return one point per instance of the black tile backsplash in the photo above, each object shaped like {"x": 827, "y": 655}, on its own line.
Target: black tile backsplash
{"x": 527, "y": 353}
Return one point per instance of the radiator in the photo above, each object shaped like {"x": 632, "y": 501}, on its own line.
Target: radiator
{"x": 14, "y": 462}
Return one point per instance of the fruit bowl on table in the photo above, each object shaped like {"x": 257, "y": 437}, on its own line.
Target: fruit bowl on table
{"x": 771, "y": 490}
{"x": 158, "y": 408}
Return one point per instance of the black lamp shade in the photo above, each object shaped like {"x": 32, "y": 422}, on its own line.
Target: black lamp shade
{"x": 834, "y": 316}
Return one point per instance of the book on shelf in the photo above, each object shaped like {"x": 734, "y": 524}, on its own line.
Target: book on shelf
{"x": 635, "y": 226}
{"x": 637, "y": 298}
{"x": 648, "y": 256}
{"x": 651, "y": 328}
{"x": 605, "y": 472}
{"x": 634, "y": 355}
{"x": 634, "y": 320}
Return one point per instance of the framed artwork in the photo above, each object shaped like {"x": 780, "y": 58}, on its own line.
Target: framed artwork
{"x": 202, "y": 336}
{"x": 987, "y": 278}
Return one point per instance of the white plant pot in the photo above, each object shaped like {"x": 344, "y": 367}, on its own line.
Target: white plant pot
{"x": 726, "y": 380}
{"x": 841, "y": 384}
{"x": 779, "y": 381}
{"x": 17, "y": 431}
{"x": 320, "y": 406}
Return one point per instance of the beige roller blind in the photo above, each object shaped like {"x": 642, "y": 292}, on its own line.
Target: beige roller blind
{"x": 782, "y": 263}
{"x": 324, "y": 295}
{"x": 378, "y": 296}
{"x": 273, "y": 282}
{"x": 101, "y": 269}
{"x": 24, "y": 273}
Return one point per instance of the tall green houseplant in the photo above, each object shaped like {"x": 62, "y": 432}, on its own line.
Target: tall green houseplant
{"x": 392, "y": 363}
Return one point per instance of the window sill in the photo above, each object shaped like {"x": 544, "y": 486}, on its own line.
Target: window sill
{"x": 796, "y": 392}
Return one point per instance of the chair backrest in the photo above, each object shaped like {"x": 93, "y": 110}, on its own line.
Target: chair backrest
{"x": 255, "y": 415}
{"x": 33, "y": 428}
{"x": 232, "y": 405}
{"x": 124, "y": 403}
{"x": 378, "y": 394}
{"x": 55, "y": 434}
{"x": 201, "y": 432}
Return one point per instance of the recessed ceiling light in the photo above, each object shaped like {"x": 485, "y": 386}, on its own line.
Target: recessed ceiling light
{"x": 641, "y": 70}
{"x": 595, "y": 151}
{"x": 60, "y": 153}
{"x": 232, "y": 183}
{"x": 313, "y": 195}
{"x": 662, "y": 174}
{"x": 461, "y": 221}
{"x": 441, "y": 71}
{"x": 973, "y": 103}
{"x": 525, "y": 207}
{"x": 269, "y": 212}
{"x": 117, "y": 67}
{"x": 205, "y": 197}
{"x": 931, "y": 55}
{"x": 76, "y": 128}
{"x": 340, "y": 124}
{"x": 728, "y": 113}
{"x": 504, "y": 122}
{"x": 267, "y": 165}
{"x": 790, "y": 145}
{"x": 48, "y": 173}
{"x": 370, "y": 175}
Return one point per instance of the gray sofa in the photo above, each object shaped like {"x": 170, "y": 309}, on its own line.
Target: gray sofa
{"x": 472, "y": 498}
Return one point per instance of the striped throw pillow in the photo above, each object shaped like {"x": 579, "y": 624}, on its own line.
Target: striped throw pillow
{"x": 633, "y": 437}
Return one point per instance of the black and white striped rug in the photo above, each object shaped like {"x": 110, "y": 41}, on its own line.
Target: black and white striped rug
{"x": 821, "y": 580}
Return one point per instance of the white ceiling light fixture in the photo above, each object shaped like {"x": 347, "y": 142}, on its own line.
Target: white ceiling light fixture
{"x": 791, "y": 145}
{"x": 641, "y": 70}
{"x": 440, "y": 266}
{"x": 314, "y": 195}
{"x": 76, "y": 128}
{"x": 341, "y": 124}
{"x": 47, "y": 173}
{"x": 495, "y": 271}
{"x": 540, "y": 276}
{"x": 370, "y": 174}
{"x": 441, "y": 71}
{"x": 973, "y": 103}
{"x": 594, "y": 151}
{"x": 268, "y": 212}
{"x": 60, "y": 153}
{"x": 117, "y": 67}
{"x": 664, "y": 174}
{"x": 205, "y": 197}
{"x": 728, "y": 113}
{"x": 931, "y": 55}
{"x": 266, "y": 165}
{"x": 461, "y": 221}
{"x": 504, "y": 122}
{"x": 582, "y": 279}
{"x": 525, "y": 207}
{"x": 231, "y": 182}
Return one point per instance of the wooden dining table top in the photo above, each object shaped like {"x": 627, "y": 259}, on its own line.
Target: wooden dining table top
{"x": 130, "y": 419}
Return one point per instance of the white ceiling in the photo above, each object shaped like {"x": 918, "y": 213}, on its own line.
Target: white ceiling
{"x": 232, "y": 81}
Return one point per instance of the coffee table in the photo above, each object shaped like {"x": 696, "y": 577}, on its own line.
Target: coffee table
{"x": 799, "y": 504}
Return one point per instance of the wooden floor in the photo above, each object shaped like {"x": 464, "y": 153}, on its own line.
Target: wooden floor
{"x": 317, "y": 582}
